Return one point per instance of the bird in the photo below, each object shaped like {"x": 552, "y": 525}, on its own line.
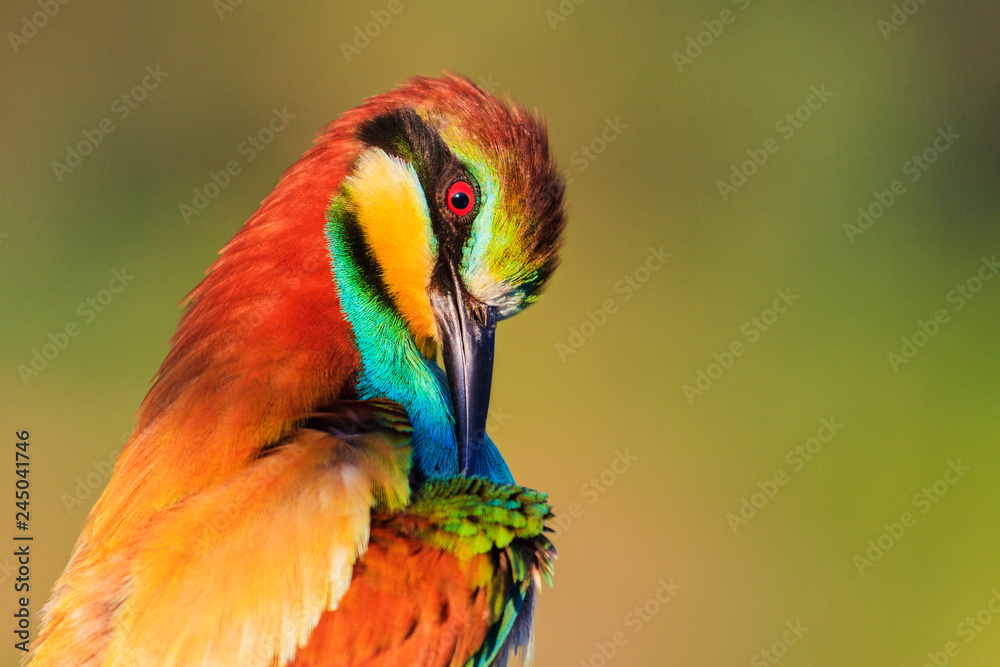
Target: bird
{"x": 305, "y": 484}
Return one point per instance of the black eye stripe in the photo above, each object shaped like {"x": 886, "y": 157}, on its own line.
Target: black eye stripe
{"x": 402, "y": 132}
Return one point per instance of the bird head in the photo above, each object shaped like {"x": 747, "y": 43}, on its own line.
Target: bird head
{"x": 448, "y": 221}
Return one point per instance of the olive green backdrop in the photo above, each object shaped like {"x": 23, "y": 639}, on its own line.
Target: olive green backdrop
{"x": 699, "y": 525}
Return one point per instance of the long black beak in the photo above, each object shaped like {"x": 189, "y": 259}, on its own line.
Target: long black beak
{"x": 467, "y": 334}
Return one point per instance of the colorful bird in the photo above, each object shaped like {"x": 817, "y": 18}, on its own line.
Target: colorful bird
{"x": 305, "y": 485}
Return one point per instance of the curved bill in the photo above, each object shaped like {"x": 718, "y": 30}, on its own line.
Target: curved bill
{"x": 467, "y": 338}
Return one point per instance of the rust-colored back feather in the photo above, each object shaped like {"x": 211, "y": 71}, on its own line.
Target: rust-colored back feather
{"x": 409, "y": 604}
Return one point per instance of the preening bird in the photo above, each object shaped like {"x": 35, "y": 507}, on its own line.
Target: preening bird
{"x": 305, "y": 485}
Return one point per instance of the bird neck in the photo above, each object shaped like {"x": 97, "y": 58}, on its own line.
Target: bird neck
{"x": 392, "y": 365}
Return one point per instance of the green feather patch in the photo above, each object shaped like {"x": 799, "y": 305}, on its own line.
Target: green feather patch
{"x": 468, "y": 516}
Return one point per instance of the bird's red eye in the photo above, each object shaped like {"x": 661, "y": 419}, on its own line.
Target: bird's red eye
{"x": 461, "y": 198}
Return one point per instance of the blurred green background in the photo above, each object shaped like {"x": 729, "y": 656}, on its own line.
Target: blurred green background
{"x": 645, "y": 136}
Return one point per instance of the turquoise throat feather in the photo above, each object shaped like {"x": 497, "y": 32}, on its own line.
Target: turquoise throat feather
{"x": 391, "y": 365}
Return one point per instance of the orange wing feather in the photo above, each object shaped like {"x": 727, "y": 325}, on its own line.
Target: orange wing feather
{"x": 244, "y": 570}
